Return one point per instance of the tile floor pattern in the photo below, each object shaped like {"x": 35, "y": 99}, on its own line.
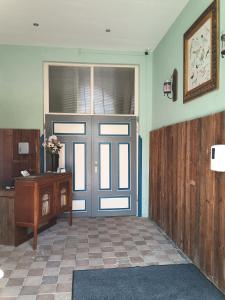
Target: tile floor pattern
{"x": 46, "y": 273}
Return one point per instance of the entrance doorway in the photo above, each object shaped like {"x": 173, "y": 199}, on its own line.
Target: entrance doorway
{"x": 101, "y": 153}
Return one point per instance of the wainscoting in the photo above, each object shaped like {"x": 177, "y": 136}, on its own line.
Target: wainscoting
{"x": 187, "y": 199}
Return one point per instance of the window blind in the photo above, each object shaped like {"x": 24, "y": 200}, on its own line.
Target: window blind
{"x": 69, "y": 89}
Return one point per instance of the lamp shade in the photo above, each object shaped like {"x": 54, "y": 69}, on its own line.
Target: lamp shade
{"x": 223, "y": 45}
{"x": 167, "y": 87}
{"x": 218, "y": 158}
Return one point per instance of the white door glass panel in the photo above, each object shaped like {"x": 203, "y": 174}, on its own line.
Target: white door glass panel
{"x": 79, "y": 205}
{"x": 114, "y": 129}
{"x": 79, "y": 167}
{"x": 115, "y": 203}
{"x": 62, "y": 157}
{"x": 105, "y": 158}
{"x": 124, "y": 166}
{"x": 69, "y": 128}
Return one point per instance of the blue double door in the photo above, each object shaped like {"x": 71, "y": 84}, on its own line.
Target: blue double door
{"x": 100, "y": 151}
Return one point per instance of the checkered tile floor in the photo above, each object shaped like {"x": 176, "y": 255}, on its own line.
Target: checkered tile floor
{"x": 90, "y": 243}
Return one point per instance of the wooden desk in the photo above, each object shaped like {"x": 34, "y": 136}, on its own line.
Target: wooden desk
{"x": 39, "y": 199}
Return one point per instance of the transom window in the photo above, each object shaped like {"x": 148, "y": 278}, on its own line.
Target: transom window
{"x": 90, "y": 89}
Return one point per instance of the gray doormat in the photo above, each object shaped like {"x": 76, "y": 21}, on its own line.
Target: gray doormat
{"x": 168, "y": 282}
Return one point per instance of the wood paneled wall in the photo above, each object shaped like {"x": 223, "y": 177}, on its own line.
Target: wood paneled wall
{"x": 11, "y": 162}
{"x": 187, "y": 199}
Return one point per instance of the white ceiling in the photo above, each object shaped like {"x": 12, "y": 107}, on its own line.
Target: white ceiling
{"x": 135, "y": 24}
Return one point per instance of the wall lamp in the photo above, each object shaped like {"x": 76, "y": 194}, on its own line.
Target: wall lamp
{"x": 170, "y": 86}
{"x": 223, "y": 45}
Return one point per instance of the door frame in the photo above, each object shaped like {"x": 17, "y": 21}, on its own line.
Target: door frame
{"x": 104, "y": 119}
{"x": 136, "y": 67}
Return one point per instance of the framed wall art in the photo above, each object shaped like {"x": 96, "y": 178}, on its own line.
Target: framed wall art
{"x": 201, "y": 54}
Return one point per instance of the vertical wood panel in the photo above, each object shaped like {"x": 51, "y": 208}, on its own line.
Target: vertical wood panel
{"x": 154, "y": 138}
{"x": 187, "y": 198}
{"x": 207, "y": 194}
{"x": 191, "y": 165}
{"x": 163, "y": 179}
{"x": 181, "y": 188}
{"x": 219, "y": 209}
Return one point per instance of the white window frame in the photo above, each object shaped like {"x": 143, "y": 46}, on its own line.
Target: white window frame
{"x": 46, "y": 86}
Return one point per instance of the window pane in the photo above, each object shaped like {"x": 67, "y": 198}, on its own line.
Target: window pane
{"x": 113, "y": 90}
{"x": 69, "y": 89}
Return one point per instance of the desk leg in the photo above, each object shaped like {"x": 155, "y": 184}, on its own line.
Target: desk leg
{"x": 37, "y": 199}
{"x": 70, "y": 217}
{"x": 70, "y": 201}
{"x": 35, "y": 238}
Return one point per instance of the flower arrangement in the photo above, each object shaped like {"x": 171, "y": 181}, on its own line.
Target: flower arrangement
{"x": 52, "y": 145}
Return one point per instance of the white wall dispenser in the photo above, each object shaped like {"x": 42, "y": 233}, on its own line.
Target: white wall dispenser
{"x": 218, "y": 158}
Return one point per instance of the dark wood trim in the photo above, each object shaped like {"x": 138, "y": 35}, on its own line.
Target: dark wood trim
{"x": 11, "y": 162}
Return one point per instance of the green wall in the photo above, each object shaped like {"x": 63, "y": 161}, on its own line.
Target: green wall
{"x": 169, "y": 55}
{"x": 21, "y": 87}
{"x": 21, "y": 82}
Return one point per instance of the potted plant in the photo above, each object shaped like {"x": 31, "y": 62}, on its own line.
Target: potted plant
{"x": 52, "y": 146}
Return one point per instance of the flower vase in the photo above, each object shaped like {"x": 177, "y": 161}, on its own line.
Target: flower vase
{"x": 55, "y": 161}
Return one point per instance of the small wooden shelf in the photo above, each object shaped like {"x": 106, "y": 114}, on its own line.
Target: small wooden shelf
{"x": 9, "y": 233}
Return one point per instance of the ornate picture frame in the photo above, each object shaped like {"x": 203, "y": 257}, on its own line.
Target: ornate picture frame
{"x": 201, "y": 54}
